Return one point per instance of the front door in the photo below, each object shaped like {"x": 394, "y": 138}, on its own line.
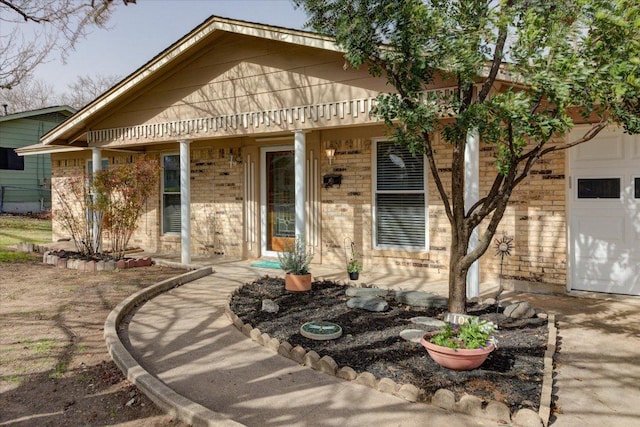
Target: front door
{"x": 279, "y": 201}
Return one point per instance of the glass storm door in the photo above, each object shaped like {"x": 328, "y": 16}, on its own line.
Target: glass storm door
{"x": 280, "y": 198}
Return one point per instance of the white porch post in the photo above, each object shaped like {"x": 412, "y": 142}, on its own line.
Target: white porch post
{"x": 300, "y": 178}
{"x": 471, "y": 195}
{"x": 96, "y": 162}
{"x": 185, "y": 201}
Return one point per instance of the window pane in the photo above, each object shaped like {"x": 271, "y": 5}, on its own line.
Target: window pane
{"x": 598, "y": 188}
{"x": 172, "y": 174}
{"x": 637, "y": 188}
{"x": 401, "y": 220}
{"x": 398, "y": 169}
{"x": 9, "y": 160}
{"x": 171, "y": 213}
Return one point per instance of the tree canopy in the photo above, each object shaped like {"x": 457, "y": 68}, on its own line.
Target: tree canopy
{"x": 34, "y": 30}
{"x": 524, "y": 71}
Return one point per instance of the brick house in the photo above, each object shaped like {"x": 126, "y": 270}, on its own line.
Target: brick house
{"x": 242, "y": 117}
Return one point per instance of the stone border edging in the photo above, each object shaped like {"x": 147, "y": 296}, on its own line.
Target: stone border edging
{"x": 442, "y": 398}
{"x": 547, "y": 380}
{"x": 186, "y": 410}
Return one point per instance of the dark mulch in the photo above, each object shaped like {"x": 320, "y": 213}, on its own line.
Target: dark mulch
{"x": 512, "y": 374}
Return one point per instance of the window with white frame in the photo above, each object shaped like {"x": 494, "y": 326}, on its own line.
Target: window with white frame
{"x": 171, "y": 193}
{"x": 400, "y": 198}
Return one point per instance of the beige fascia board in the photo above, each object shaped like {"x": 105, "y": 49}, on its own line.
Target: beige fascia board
{"x": 34, "y": 149}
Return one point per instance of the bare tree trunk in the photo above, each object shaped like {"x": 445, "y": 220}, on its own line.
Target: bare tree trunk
{"x": 458, "y": 274}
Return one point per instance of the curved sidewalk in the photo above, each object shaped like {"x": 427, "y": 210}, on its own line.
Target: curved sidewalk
{"x": 183, "y": 337}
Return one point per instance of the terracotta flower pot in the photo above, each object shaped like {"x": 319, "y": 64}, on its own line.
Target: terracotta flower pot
{"x": 297, "y": 282}
{"x": 457, "y": 359}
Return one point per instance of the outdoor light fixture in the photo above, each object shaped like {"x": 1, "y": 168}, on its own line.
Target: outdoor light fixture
{"x": 330, "y": 152}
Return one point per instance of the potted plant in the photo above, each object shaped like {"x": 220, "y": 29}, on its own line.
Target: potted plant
{"x": 461, "y": 347}
{"x": 295, "y": 262}
{"x": 354, "y": 266}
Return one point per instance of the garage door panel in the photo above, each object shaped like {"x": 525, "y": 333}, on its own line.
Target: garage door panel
{"x": 601, "y": 228}
{"x": 609, "y": 147}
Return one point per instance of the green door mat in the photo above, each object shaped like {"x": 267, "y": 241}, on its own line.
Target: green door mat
{"x": 266, "y": 264}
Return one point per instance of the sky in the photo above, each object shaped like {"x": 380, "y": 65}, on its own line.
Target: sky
{"x": 140, "y": 31}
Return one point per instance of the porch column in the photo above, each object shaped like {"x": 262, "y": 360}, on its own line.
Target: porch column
{"x": 185, "y": 201}
{"x": 300, "y": 179}
{"x": 471, "y": 195}
{"x": 96, "y": 162}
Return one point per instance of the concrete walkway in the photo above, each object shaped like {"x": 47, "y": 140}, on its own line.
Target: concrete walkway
{"x": 183, "y": 337}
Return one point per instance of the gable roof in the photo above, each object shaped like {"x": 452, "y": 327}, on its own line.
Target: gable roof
{"x": 78, "y": 122}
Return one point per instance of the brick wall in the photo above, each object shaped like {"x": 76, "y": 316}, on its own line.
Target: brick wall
{"x": 534, "y": 219}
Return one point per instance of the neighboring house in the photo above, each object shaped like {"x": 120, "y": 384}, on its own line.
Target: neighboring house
{"x": 242, "y": 116}
{"x": 25, "y": 182}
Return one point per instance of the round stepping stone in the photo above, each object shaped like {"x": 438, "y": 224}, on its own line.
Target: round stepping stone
{"x": 412, "y": 335}
{"x": 427, "y": 321}
{"x": 321, "y": 331}
{"x": 368, "y": 303}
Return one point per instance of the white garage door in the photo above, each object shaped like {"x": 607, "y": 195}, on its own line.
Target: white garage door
{"x": 604, "y": 213}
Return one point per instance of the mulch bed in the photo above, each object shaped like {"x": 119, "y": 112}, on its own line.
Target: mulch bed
{"x": 512, "y": 374}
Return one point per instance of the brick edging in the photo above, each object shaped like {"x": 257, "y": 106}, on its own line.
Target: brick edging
{"x": 186, "y": 410}
{"x": 442, "y": 398}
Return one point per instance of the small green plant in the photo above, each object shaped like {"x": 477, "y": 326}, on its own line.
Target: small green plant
{"x": 354, "y": 266}
{"x": 475, "y": 333}
{"x": 295, "y": 259}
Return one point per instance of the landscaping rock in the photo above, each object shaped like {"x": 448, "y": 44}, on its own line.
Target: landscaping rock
{"x": 527, "y": 418}
{"x": 519, "y": 310}
{"x": 469, "y": 404}
{"x": 270, "y": 306}
{"x": 427, "y": 321}
{"x": 297, "y": 353}
{"x": 387, "y": 385}
{"x": 368, "y": 303}
{"x": 366, "y": 292}
{"x": 498, "y": 411}
{"x": 409, "y": 392}
{"x": 444, "y": 399}
{"x": 412, "y": 335}
{"x": 421, "y": 299}
{"x": 328, "y": 365}
{"x": 311, "y": 359}
{"x": 347, "y": 373}
{"x": 368, "y": 379}
{"x": 285, "y": 348}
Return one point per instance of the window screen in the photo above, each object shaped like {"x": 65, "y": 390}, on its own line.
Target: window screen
{"x": 400, "y": 198}
{"x": 171, "y": 194}
{"x": 598, "y": 188}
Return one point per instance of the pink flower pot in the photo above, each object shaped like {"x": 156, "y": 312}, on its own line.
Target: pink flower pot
{"x": 457, "y": 359}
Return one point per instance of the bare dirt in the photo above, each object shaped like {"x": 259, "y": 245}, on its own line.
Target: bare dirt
{"x": 371, "y": 343}
{"x": 54, "y": 366}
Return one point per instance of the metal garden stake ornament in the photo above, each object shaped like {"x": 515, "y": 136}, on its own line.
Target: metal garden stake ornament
{"x": 503, "y": 248}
